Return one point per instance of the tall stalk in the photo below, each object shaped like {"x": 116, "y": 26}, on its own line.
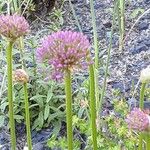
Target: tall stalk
{"x": 107, "y": 64}
{"x": 96, "y": 52}
{"x": 121, "y": 21}
{"x": 75, "y": 16}
{"x": 147, "y": 141}
{"x": 140, "y": 147}
{"x": 93, "y": 107}
{"x": 28, "y": 130}
{"x": 68, "y": 93}
{"x": 142, "y": 91}
{"x": 21, "y": 42}
{"x": 10, "y": 95}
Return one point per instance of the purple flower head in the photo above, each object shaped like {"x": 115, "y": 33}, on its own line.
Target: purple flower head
{"x": 64, "y": 50}
{"x": 138, "y": 120}
{"x": 13, "y": 26}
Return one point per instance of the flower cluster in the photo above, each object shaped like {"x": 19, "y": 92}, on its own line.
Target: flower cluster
{"x": 13, "y": 26}
{"x": 64, "y": 50}
{"x": 138, "y": 120}
{"x": 145, "y": 75}
{"x": 20, "y": 76}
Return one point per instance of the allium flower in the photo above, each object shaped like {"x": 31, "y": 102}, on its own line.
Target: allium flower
{"x": 138, "y": 120}
{"x": 20, "y": 76}
{"x": 145, "y": 75}
{"x": 64, "y": 50}
{"x": 13, "y": 26}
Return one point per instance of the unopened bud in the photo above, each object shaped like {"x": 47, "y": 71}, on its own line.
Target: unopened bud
{"x": 145, "y": 75}
{"x": 21, "y": 76}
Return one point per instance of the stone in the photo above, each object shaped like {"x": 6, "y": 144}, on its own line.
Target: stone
{"x": 6, "y": 147}
{"x": 147, "y": 1}
{"x": 38, "y": 146}
{"x": 118, "y": 85}
{"x": 143, "y": 25}
{"x": 107, "y": 24}
{"x": 147, "y": 42}
{"x": 139, "y": 48}
{"x": 98, "y": 5}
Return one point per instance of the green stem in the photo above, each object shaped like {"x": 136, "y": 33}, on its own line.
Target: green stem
{"x": 94, "y": 33}
{"x": 140, "y": 141}
{"x": 28, "y": 130}
{"x": 93, "y": 107}
{"x": 121, "y": 21}
{"x": 147, "y": 141}
{"x": 96, "y": 47}
{"x": 107, "y": 63}
{"x": 141, "y": 106}
{"x": 142, "y": 95}
{"x": 68, "y": 92}
{"x": 22, "y": 51}
{"x": 10, "y": 95}
{"x": 75, "y": 16}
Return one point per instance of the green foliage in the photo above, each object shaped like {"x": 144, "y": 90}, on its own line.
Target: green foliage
{"x": 62, "y": 143}
{"x": 114, "y": 134}
{"x": 45, "y": 97}
{"x": 136, "y": 12}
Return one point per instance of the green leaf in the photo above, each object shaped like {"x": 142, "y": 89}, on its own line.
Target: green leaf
{"x": 49, "y": 94}
{"x": 2, "y": 119}
{"x": 136, "y": 12}
{"x": 40, "y": 119}
{"x": 3, "y": 106}
{"x": 38, "y": 99}
{"x": 46, "y": 112}
{"x": 35, "y": 124}
{"x": 55, "y": 115}
{"x": 18, "y": 117}
{"x": 57, "y": 127}
{"x": 80, "y": 113}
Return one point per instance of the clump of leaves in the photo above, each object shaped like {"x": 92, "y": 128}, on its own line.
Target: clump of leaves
{"x": 114, "y": 133}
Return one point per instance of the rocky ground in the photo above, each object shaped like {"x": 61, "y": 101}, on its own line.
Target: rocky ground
{"x": 124, "y": 66}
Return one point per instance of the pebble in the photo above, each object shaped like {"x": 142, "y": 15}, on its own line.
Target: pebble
{"x": 139, "y": 48}
{"x": 147, "y": 42}
{"x": 42, "y": 136}
{"x": 143, "y": 25}
{"x": 98, "y": 6}
{"x": 117, "y": 85}
{"x": 134, "y": 103}
{"x": 107, "y": 24}
{"x": 38, "y": 146}
{"x": 147, "y": 1}
{"x": 5, "y": 148}
{"x": 3, "y": 138}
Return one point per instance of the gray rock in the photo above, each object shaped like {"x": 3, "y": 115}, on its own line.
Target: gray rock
{"x": 38, "y": 146}
{"x": 147, "y": 42}
{"x": 139, "y": 48}
{"x": 143, "y": 25}
{"x": 147, "y": 1}
{"x": 6, "y": 147}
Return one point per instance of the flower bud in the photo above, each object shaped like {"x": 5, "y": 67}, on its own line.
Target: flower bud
{"x": 145, "y": 75}
{"x": 20, "y": 76}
